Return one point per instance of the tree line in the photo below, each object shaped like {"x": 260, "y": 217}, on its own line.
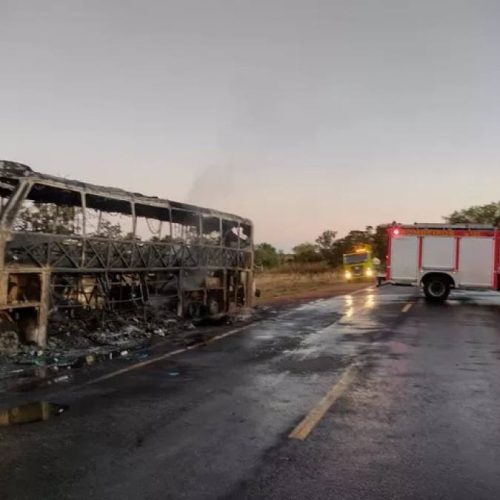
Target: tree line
{"x": 329, "y": 249}
{"x": 326, "y": 248}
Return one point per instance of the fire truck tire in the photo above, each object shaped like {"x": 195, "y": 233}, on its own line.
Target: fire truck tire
{"x": 436, "y": 289}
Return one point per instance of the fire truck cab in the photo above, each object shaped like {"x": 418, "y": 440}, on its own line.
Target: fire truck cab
{"x": 441, "y": 257}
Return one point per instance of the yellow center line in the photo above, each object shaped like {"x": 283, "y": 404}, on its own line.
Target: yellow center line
{"x": 406, "y": 307}
{"x": 312, "y": 419}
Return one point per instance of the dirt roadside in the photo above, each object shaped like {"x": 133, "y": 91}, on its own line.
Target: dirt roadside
{"x": 294, "y": 295}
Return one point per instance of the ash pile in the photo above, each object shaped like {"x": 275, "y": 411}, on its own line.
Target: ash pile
{"x": 73, "y": 341}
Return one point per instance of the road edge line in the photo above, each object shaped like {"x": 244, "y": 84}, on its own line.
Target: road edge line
{"x": 161, "y": 357}
{"x": 170, "y": 354}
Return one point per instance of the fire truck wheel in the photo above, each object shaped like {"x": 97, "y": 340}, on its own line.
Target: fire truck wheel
{"x": 436, "y": 289}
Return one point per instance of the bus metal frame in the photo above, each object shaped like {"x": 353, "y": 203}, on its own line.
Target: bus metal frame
{"x": 41, "y": 272}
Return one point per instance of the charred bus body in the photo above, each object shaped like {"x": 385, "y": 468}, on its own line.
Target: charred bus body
{"x": 72, "y": 246}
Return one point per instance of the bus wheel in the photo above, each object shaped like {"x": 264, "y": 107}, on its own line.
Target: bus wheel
{"x": 196, "y": 310}
{"x": 436, "y": 288}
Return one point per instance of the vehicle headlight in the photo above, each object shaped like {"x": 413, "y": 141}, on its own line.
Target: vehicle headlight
{"x": 369, "y": 272}
{"x": 348, "y": 275}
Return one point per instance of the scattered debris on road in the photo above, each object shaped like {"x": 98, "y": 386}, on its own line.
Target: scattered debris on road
{"x": 73, "y": 343}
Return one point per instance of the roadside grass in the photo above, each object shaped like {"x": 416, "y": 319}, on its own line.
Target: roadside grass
{"x": 274, "y": 284}
{"x": 307, "y": 268}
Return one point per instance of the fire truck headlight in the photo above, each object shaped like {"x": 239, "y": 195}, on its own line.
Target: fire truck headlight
{"x": 348, "y": 275}
{"x": 369, "y": 272}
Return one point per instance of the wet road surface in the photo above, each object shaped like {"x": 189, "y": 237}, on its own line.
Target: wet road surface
{"x": 371, "y": 395}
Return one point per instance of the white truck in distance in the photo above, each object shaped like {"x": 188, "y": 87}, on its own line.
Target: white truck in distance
{"x": 440, "y": 257}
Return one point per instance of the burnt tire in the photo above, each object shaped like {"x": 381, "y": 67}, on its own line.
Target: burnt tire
{"x": 436, "y": 289}
{"x": 196, "y": 311}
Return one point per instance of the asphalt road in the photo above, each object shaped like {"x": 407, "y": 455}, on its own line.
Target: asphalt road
{"x": 371, "y": 395}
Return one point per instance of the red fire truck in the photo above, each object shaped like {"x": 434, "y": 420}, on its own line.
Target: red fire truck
{"x": 440, "y": 257}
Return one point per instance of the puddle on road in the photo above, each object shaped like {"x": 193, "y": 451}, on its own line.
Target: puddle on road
{"x": 483, "y": 298}
{"x": 30, "y": 412}
{"x": 315, "y": 365}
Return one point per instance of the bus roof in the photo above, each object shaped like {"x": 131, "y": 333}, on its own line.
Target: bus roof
{"x": 14, "y": 170}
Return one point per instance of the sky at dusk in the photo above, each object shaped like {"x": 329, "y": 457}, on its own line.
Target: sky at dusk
{"x": 302, "y": 115}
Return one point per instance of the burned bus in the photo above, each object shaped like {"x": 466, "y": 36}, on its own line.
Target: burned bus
{"x": 72, "y": 246}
